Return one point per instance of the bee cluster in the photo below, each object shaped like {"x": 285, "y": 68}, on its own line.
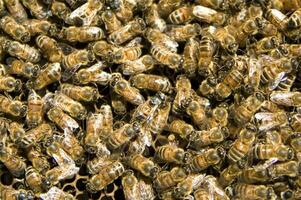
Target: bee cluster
{"x": 150, "y": 99}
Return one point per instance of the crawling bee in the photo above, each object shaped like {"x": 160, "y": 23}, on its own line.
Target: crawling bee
{"x": 10, "y": 84}
{"x": 16, "y": 10}
{"x": 60, "y": 10}
{"x": 50, "y": 48}
{"x": 208, "y": 15}
{"x": 34, "y": 180}
{"x": 153, "y": 19}
{"x": 35, "y": 110}
{"x": 81, "y": 34}
{"x": 38, "y": 159}
{"x": 15, "y": 164}
{"x": 295, "y": 122}
{"x": 288, "y": 168}
{"x": 103, "y": 49}
{"x": 143, "y": 64}
{"x": 80, "y": 93}
{"x": 183, "y": 89}
{"x": 118, "y": 104}
{"x": 219, "y": 116}
{"x": 22, "y": 51}
{"x": 22, "y": 68}
{"x": 229, "y": 174}
{"x": 127, "y": 32}
{"x": 61, "y": 173}
{"x": 8, "y": 192}
{"x": 169, "y": 179}
{"x": 112, "y": 23}
{"x": 267, "y": 121}
{"x": 40, "y": 26}
{"x": 159, "y": 122}
{"x": 267, "y": 151}
{"x": 62, "y": 120}
{"x": 286, "y": 98}
{"x": 56, "y": 193}
{"x": 277, "y": 18}
{"x": 37, "y": 9}
{"x": 172, "y": 154}
{"x": 181, "y": 15}
{"x": 196, "y": 111}
{"x": 248, "y": 192}
{"x": 95, "y": 165}
{"x": 125, "y": 54}
{"x": 156, "y": 37}
{"x": 123, "y": 88}
{"x": 16, "y": 131}
{"x": 13, "y": 107}
{"x": 166, "y": 57}
{"x": 142, "y": 164}
{"x": 106, "y": 176}
{"x": 14, "y": 29}
{"x": 207, "y": 87}
{"x": 181, "y": 128}
{"x": 191, "y": 56}
{"x": 125, "y": 11}
{"x": 183, "y": 32}
{"x": 265, "y": 45}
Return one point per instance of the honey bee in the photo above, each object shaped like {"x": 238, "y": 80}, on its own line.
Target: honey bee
{"x": 34, "y": 179}
{"x": 102, "y": 48}
{"x": 219, "y": 116}
{"x": 142, "y": 164}
{"x": 286, "y": 82}
{"x": 95, "y": 165}
{"x": 267, "y": 151}
{"x": 60, "y": 10}
{"x": 16, "y": 9}
{"x": 187, "y": 186}
{"x": 277, "y": 18}
{"x": 118, "y": 104}
{"x": 207, "y": 87}
{"x": 12, "y": 107}
{"x": 181, "y": 33}
{"x": 201, "y": 139}
{"x": 78, "y": 93}
{"x": 248, "y": 192}
{"x": 8, "y": 192}
{"x": 267, "y": 121}
{"x": 153, "y": 19}
{"x": 243, "y": 144}
{"x": 144, "y": 63}
{"x": 121, "y": 136}
{"x": 54, "y": 149}
{"x": 22, "y": 51}
{"x": 62, "y": 120}
{"x": 112, "y": 23}
{"x": 74, "y": 60}
{"x": 36, "y": 135}
{"x": 124, "y": 11}
{"x": 127, "y": 32}
{"x": 50, "y": 48}
{"x": 181, "y": 15}
{"x": 286, "y": 98}
{"x": 56, "y": 193}
{"x": 125, "y": 54}
{"x": 196, "y": 111}
{"x": 47, "y": 76}
{"x": 172, "y": 154}
{"x": 60, "y": 173}
{"x": 81, "y": 34}
{"x": 265, "y": 45}
{"x": 14, "y": 29}
{"x": 16, "y": 132}
{"x": 165, "y": 7}
{"x": 183, "y": 89}
{"x": 37, "y": 9}
{"x": 93, "y": 74}
{"x": 247, "y": 108}
{"x": 209, "y": 15}
{"x": 168, "y": 179}
{"x": 190, "y": 56}
{"x": 159, "y": 122}
{"x": 288, "y": 168}
{"x": 106, "y": 176}
{"x": 10, "y": 84}
{"x": 65, "y": 103}
{"x": 22, "y": 68}
{"x": 229, "y": 174}
{"x": 181, "y": 128}
{"x": 207, "y": 49}
{"x": 38, "y": 159}
{"x": 122, "y": 87}
{"x": 166, "y": 57}
{"x": 156, "y": 37}
{"x": 40, "y": 26}
{"x": 15, "y": 164}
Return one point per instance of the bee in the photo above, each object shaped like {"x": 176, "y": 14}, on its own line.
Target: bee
{"x": 277, "y": 18}
{"x": 209, "y": 15}
{"x": 62, "y": 120}
{"x": 166, "y": 57}
{"x": 219, "y": 116}
{"x": 183, "y": 89}
{"x": 127, "y": 32}
{"x": 232, "y": 172}
{"x": 286, "y": 82}
{"x": 37, "y": 9}
{"x": 54, "y": 149}
{"x": 155, "y": 37}
{"x": 12, "y": 107}
{"x": 122, "y": 87}
{"x": 112, "y": 23}
{"x": 182, "y": 33}
{"x": 16, "y": 10}
{"x": 142, "y": 164}
{"x": 207, "y": 87}
{"x": 16, "y": 132}
{"x": 36, "y": 135}
{"x": 288, "y": 168}
{"x": 22, "y": 51}
{"x": 14, "y": 29}
{"x": 40, "y": 26}
{"x": 34, "y": 179}
{"x": 121, "y": 136}
{"x": 295, "y": 122}
{"x": 81, "y": 34}
{"x": 95, "y": 165}
{"x": 247, "y": 108}
{"x": 153, "y": 19}
{"x": 206, "y": 159}
{"x": 159, "y": 121}
{"x": 255, "y": 174}
{"x": 125, "y": 54}
{"x": 169, "y": 179}
{"x": 60, "y": 10}
{"x": 118, "y": 104}
{"x": 267, "y": 121}
{"x": 265, "y": 45}
{"x": 22, "y": 68}
{"x": 47, "y": 76}
{"x": 8, "y": 192}
{"x": 267, "y": 151}
{"x": 124, "y": 10}
{"x": 196, "y": 111}
{"x": 142, "y": 64}
{"x": 201, "y": 139}
{"x": 181, "y": 128}
{"x": 38, "y": 159}
{"x": 50, "y": 48}
{"x": 78, "y": 93}
{"x": 165, "y": 7}
{"x": 181, "y": 15}
{"x": 15, "y": 164}
{"x": 74, "y": 60}
{"x": 172, "y": 154}
{"x": 190, "y": 56}
{"x": 60, "y": 173}
{"x": 187, "y": 186}
{"x": 56, "y": 193}
{"x": 286, "y": 98}
{"x": 67, "y": 104}
{"x": 10, "y": 84}
{"x": 103, "y": 49}
{"x": 243, "y": 144}
{"x": 106, "y": 176}
{"x": 248, "y": 192}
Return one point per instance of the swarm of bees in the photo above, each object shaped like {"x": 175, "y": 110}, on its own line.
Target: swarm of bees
{"x": 150, "y": 99}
